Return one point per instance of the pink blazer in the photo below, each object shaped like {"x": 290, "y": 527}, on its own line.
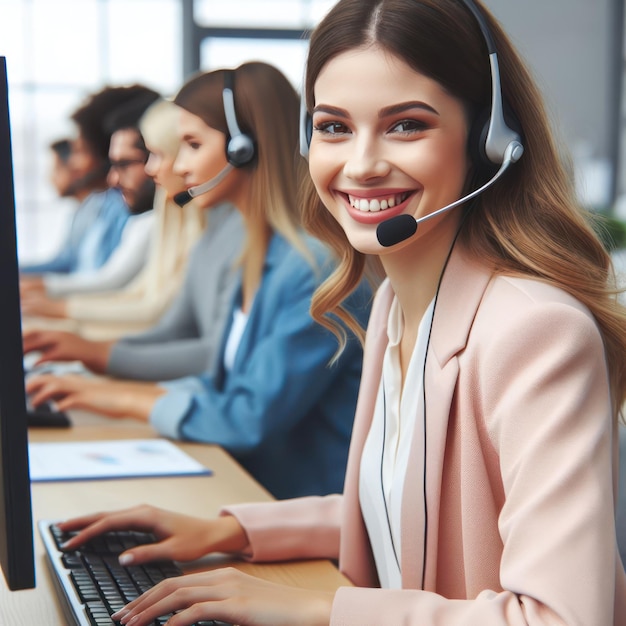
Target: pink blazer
{"x": 521, "y": 467}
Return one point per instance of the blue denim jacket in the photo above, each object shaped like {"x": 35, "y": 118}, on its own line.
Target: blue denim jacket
{"x": 282, "y": 410}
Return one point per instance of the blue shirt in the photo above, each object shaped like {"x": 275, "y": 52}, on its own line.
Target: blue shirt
{"x": 282, "y": 411}
{"x": 94, "y": 233}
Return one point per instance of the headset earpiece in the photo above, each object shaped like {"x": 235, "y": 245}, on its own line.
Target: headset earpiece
{"x": 488, "y": 152}
{"x": 495, "y": 135}
{"x": 306, "y": 128}
{"x": 240, "y": 148}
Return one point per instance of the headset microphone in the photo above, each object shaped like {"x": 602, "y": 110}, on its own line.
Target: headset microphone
{"x": 184, "y": 197}
{"x": 397, "y": 229}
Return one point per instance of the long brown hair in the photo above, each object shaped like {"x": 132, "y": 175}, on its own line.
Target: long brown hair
{"x": 267, "y": 109}
{"x": 528, "y": 223}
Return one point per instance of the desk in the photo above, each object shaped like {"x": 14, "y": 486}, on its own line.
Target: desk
{"x": 198, "y": 495}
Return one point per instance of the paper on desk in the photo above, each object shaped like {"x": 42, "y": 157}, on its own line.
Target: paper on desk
{"x": 124, "y": 458}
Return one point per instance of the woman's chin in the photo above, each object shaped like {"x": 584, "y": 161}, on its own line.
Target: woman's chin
{"x": 366, "y": 243}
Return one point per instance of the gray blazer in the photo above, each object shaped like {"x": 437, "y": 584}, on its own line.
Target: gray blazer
{"x": 187, "y": 339}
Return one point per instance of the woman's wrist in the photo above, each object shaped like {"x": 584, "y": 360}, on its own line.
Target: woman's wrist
{"x": 97, "y": 355}
{"x": 138, "y": 399}
{"x": 231, "y": 536}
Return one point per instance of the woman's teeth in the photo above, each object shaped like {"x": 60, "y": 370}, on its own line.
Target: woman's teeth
{"x": 376, "y": 204}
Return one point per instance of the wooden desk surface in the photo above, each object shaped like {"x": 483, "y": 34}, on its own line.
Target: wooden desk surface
{"x": 199, "y": 495}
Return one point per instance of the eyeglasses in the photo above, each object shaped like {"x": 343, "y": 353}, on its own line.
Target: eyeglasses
{"x": 124, "y": 164}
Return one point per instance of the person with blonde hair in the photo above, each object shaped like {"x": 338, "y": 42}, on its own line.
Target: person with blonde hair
{"x": 274, "y": 400}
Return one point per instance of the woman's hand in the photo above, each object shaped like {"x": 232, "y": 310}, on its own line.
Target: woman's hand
{"x": 108, "y": 397}
{"x": 180, "y": 537}
{"x": 56, "y": 345}
{"x": 231, "y": 596}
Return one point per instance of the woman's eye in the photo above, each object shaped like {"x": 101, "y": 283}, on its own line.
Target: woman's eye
{"x": 194, "y": 145}
{"x": 409, "y": 127}
{"x": 331, "y": 128}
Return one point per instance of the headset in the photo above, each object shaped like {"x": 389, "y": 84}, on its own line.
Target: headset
{"x": 306, "y": 123}
{"x": 240, "y": 147}
{"x": 493, "y": 143}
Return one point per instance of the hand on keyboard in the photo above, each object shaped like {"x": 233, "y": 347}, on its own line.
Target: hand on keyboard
{"x": 180, "y": 537}
{"x": 100, "y": 583}
{"x": 230, "y": 594}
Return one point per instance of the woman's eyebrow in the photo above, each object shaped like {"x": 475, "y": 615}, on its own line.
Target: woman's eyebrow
{"x": 403, "y": 107}
{"x": 330, "y": 110}
{"x": 393, "y": 109}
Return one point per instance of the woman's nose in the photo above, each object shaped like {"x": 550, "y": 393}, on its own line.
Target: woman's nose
{"x": 178, "y": 167}
{"x": 151, "y": 166}
{"x": 366, "y": 161}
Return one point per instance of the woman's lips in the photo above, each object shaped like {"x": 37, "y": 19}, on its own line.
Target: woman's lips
{"x": 376, "y": 209}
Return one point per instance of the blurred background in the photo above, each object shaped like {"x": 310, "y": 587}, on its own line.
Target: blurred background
{"x": 60, "y": 51}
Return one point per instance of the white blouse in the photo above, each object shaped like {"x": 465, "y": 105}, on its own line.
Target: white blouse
{"x": 385, "y": 456}
{"x": 124, "y": 264}
{"x": 240, "y": 320}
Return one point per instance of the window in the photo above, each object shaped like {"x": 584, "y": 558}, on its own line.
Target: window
{"x": 271, "y": 14}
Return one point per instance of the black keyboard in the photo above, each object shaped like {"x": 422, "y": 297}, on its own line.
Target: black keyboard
{"x": 92, "y": 583}
{"x": 46, "y": 416}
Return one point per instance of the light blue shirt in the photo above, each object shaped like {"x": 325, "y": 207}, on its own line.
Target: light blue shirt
{"x": 94, "y": 234}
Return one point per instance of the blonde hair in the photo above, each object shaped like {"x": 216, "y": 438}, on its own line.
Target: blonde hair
{"x": 528, "y": 223}
{"x": 158, "y": 126}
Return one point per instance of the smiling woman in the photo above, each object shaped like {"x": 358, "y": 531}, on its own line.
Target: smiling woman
{"x": 410, "y": 133}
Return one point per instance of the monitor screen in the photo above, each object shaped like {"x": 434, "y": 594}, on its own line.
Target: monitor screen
{"x": 16, "y": 528}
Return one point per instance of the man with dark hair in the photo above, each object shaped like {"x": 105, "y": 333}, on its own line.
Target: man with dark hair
{"x": 94, "y": 118}
{"x": 103, "y": 212}
{"x": 128, "y": 154}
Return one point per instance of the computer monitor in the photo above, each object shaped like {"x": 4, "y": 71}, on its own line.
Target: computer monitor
{"x": 16, "y": 527}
